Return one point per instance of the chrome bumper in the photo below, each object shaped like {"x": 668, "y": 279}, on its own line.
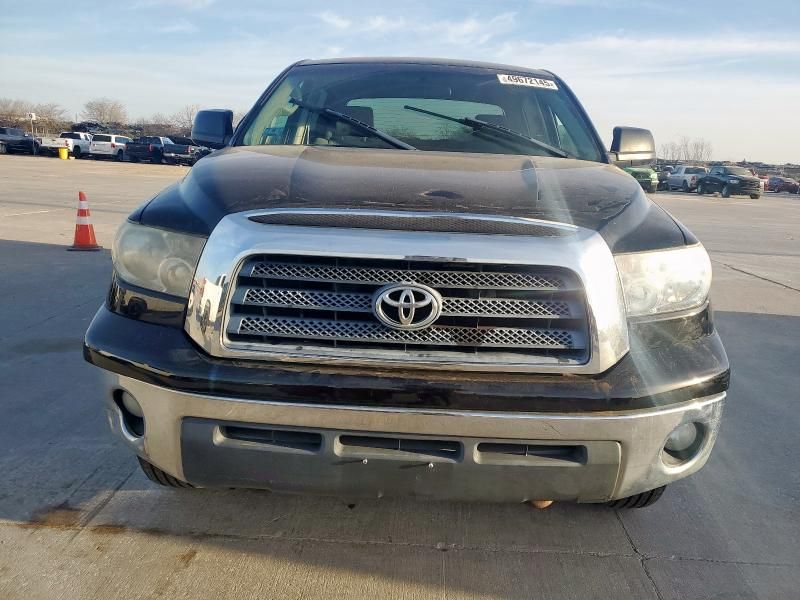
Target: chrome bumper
{"x": 621, "y": 452}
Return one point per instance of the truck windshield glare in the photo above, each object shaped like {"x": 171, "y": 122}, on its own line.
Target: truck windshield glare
{"x": 529, "y": 109}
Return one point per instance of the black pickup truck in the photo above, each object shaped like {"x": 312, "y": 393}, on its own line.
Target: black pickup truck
{"x": 729, "y": 181}
{"x": 412, "y": 277}
{"x": 158, "y": 149}
{"x": 13, "y": 139}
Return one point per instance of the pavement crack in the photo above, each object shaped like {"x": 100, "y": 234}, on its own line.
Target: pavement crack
{"x": 642, "y": 557}
{"x": 761, "y": 277}
{"x": 87, "y": 519}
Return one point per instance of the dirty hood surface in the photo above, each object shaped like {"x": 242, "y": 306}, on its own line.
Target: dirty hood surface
{"x": 589, "y": 194}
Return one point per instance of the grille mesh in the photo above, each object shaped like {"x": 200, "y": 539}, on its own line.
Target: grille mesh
{"x": 362, "y": 331}
{"x": 453, "y": 279}
{"x": 297, "y": 302}
{"x": 363, "y": 303}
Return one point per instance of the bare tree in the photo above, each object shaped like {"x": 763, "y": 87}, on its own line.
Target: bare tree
{"x": 669, "y": 152}
{"x": 238, "y": 115}
{"x": 13, "y": 111}
{"x": 184, "y": 118}
{"x": 50, "y": 117}
{"x": 684, "y": 148}
{"x": 701, "y": 150}
{"x": 105, "y": 110}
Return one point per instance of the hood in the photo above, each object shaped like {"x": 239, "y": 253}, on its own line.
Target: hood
{"x": 588, "y": 194}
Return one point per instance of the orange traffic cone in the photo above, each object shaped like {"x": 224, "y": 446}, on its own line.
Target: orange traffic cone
{"x": 84, "y": 232}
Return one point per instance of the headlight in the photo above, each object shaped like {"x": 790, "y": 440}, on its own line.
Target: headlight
{"x": 733, "y": 181}
{"x": 156, "y": 259}
{"x": 664, "y": 280}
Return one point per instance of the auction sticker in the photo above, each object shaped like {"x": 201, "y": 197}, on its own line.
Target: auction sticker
{"x": 546, "y": 84}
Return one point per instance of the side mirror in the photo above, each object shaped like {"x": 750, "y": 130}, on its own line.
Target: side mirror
{"x": 632, "y": 146}
{"x": 213, "y": 128}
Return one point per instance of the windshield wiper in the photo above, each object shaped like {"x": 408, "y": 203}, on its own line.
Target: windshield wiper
{"x": 340, "y": 116}
{"x": 477, "y": 125}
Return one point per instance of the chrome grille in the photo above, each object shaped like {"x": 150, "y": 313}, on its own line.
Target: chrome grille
{"x": 350, "y": 302}
{"x": 308, "y": 302}
{"x": 362, "y": 331}
{"x": 456, "y": 279}
{"x": 358, "y": 219}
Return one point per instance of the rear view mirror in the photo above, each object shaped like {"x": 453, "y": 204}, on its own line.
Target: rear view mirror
{"x": 213, "y": 128}
{"x": 632, "y": 146}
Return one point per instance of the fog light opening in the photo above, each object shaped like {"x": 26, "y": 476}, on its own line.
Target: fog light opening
{"x": 132, "y": 414}
{"x": 684, "y": 442}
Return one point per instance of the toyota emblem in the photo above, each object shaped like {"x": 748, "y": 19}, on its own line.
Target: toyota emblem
{"x": 407, "y": 305}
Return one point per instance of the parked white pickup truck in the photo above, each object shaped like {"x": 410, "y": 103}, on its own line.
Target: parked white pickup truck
{"x": 77, "y": 142}
{"x": 685, "y": 177}
{"x": 109, "y": 146}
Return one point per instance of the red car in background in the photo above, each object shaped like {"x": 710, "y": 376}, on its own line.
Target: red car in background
{"x": 783, "y": 184}
{"x": 763, "y": 178}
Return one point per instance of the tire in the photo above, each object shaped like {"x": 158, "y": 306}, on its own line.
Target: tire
{"x": 77, "y": 152}
{"x": 755, "y": 196}
{"x": 156, "y": 158}
{"x": 726, "y": 191}
{"x": 2, "y": 148}
{"x": 652, "y": 188}
{"x": 158, "y": 476}
{"x": 639, "y": 500}
{"x": 120, "y": 156}
{"x": 134, "y": 159}
{"x": 684, "y": 186}
{"x": 700, "y": 189}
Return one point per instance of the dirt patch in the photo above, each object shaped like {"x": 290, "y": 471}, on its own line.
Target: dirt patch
{"x": 186, "y": 557}
{"x": 60, "y": 516}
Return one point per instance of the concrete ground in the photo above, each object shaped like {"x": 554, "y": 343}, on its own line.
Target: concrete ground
{"x": 78, "y": 519}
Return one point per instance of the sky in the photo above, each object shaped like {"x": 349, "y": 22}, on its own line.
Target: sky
{"x": 727, "y": 71}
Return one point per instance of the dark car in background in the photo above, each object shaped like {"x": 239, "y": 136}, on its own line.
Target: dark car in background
{"x": 186, "y": 151}
{"x": 646, "y": 177}
{"x": 157, "y": 149}
{"x": 783, "y": 184}
{"x": 729, "y": 181}
{"x": 663, "y": 172}
{"x": 13, "y": 139}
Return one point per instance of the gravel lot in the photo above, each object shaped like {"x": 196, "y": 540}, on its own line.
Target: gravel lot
{"x": 78, "y": 519}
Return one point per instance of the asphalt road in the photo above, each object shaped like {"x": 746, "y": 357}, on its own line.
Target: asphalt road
{"x": 78, "y": 519}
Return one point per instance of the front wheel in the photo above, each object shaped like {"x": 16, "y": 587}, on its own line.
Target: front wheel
{"x": 685, "y": 186}
{"x": 160, "y": 477}
{"x": 755, "y": 196}
{"x": 700, "y": 189}
{"x": 639, "y": 500}
{"x": 726, "y": 192}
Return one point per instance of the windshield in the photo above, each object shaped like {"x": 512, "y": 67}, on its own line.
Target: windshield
{"x": 399, "y": 101}
{"x": 742, "y": 172}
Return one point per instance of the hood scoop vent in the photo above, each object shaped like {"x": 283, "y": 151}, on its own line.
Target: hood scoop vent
{"x": 417, "y": 221}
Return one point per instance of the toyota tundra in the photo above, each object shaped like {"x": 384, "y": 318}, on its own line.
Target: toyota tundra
{"x": 412, "y": 277}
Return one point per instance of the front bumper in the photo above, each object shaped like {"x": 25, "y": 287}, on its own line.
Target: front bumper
{"x": 213, "y": 441}
{"x": 492, "y": 437}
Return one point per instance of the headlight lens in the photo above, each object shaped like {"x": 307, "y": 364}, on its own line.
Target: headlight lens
{"x": 156, "y": 259}
{"x": 665, "y": 280}
{"x": 734, "y": 181}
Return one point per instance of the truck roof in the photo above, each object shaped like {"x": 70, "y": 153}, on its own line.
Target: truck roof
{"x": 395, "y": 60}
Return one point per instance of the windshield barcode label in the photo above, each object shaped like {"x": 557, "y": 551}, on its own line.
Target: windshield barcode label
{"x": 546, "y": 84}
